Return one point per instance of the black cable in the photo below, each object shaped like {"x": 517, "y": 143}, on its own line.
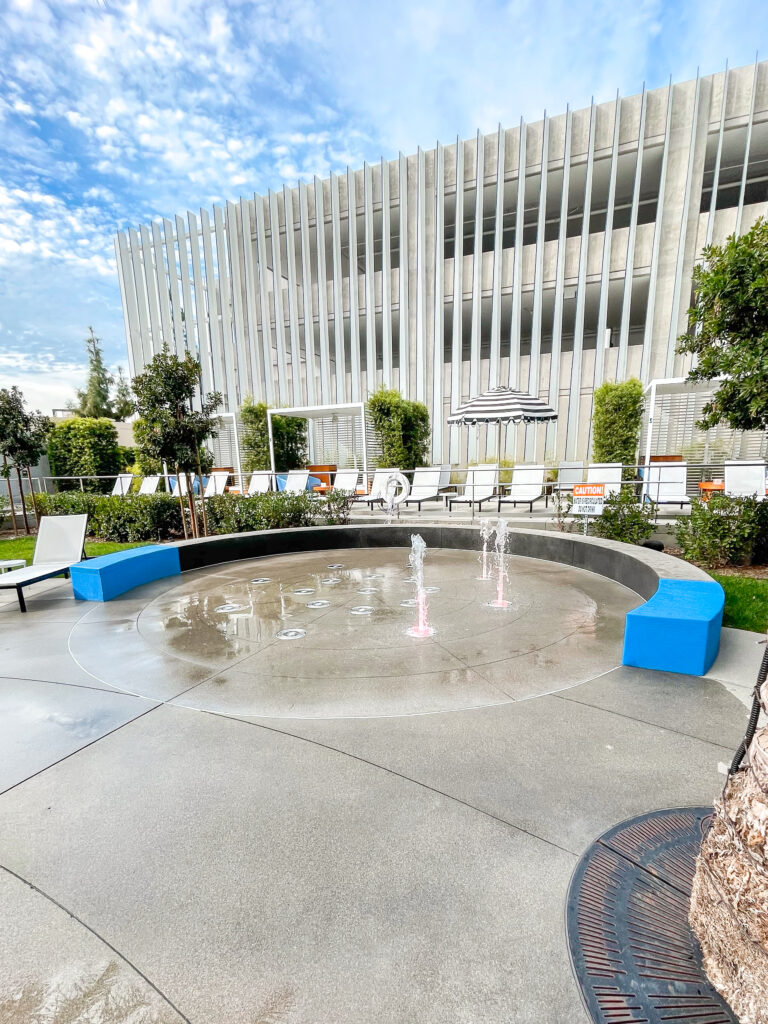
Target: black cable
{"x": 753, "y": 715}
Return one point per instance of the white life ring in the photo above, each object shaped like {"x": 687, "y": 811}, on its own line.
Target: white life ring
{"x": 396, "y": 489}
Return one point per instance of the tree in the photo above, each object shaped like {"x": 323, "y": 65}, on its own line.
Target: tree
{"x": 94, "y": 401}
{"x": 123, "y": 404}
{"x": 402, "y": 428}
{"x": 169, "y": 428}
{"x": 728, "y": 329}
{"x": 23, "y": 437}
{"x": 289, "y": 435}
{"x": 616, "y": 421}
{"x": 87, "y": 447}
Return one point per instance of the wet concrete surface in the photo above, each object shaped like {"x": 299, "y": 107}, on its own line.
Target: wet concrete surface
{"x": 354, "y": 826}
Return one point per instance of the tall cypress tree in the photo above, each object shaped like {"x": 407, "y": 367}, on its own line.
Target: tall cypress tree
{"x": 95, "y": 400}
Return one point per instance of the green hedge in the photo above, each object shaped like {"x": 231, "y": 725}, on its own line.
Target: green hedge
{"x": 724, "y": 531}
{"x": 158, "y": 516}
{"x": 82, "y": 446}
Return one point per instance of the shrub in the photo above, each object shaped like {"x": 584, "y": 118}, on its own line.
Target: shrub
{"x": 616, "y": 422}
{"x": 158, "y": 516}
{"x": 402, "y": 428}
{"x": 289, "y": 434}
{"x": 625, "y": 519}
{"x": 121, "y": 519}
{"x": 723, "y": 531}
{"x": 81, "y": 446}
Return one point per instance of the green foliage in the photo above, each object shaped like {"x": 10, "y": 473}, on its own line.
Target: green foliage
{"x": 402, "y": 428}
{"x": 288, "y": 432}
{"x": 82, "y": 446}
{"x": 131, "y": 518}
{"x": 746, "y": 602}
{"x": 624, "y": 518}
{"x": 94, "y": 401}
{"x": 123, "y": 404}
{"x": 728, "y": 329}
{"x": 158, "y": 517}
{"x": 723, "y": 531}
{"x": 145, "y": 465}
{"x": 170, "y": 429}
{"x": 23, "y": 434}
{"x": 616, "y": 421}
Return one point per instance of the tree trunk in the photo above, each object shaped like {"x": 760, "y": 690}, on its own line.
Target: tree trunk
{"x": 23, "y": 505}
{"x": 192, "y": 507}
{"x": 202, "y": 491}
{"x": 181, "y": 505}
{"x": 10, "y": 499}
{"x": 34, "y": 499}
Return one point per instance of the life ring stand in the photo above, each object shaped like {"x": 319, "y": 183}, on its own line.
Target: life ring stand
{"x": 396, "y": 489}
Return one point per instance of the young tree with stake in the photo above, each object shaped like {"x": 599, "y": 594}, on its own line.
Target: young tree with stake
{"x": 169, "y": 428}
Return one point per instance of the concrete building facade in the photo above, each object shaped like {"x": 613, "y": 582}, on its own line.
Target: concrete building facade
{"x": 548, "y": 256}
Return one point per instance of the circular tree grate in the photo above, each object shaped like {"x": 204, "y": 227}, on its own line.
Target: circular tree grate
{"x": 632, "y": 950}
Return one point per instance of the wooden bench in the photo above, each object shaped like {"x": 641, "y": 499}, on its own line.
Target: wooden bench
{"x": 678, "y": 629}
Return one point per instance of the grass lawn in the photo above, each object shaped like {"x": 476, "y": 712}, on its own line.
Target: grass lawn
{"x": 24, "y": 547}
{"x": 746, "y": 602}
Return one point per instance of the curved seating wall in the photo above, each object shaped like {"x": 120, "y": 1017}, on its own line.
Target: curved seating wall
{"x": 676, "y": 630}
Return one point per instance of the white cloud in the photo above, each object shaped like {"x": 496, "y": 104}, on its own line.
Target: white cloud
{"x": 115, "y": 113}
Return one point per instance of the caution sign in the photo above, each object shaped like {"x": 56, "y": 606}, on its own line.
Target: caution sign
{"x": 588, "y": 499}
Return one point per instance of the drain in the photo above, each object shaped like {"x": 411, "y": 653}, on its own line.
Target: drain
{"x": 361, "y": 609}
{"x": 291, "y": 634}
{"x": 368, "y": 590}
{"x": 631, "y": 946}
{"x": 230, "y": 608}
{"x": 330, "y": 581}
{"x": 262, "y": 579}
{"x": 318, "y": 604}
{"x": 303, "y": 591}
{"x": 409, "y": 602}
{"x": 336, "y": 565}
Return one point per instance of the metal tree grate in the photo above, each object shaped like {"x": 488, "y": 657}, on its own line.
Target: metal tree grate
{"x": 632, "y": 950}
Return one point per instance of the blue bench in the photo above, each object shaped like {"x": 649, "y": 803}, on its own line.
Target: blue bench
{"x": 678, "y": 630}
{"x": 105, "y": 577}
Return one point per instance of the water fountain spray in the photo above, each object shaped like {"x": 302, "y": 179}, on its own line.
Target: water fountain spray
{"x": 500, "y": 563}
{"x": 390, "y": 493}
{"x": 487, "y": 527}
{"x": 416, "y": 562}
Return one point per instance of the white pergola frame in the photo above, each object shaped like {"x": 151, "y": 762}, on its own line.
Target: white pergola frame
{"x": 670, "y": 386}
{"x": 319, "y": 412}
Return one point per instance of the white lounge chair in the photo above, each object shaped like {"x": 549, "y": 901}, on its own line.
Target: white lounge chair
{"x": 260, "y": 483}
{"x": 608, "y": 473}
{"x": 296, "y": 481}
{"x": 346, "y": 480}
{"x": 149, "y": 485}
{"x": 527, "y": 486}
{"x": 180, "y": 487}
{"x": 217, "y": 483}
{"x": 568, "y": 474}
{"x": 59, "y": 545}
{"x": 425, "y": 486}
{"x": 665, "y": 483}
{"x": 745, "y": 479}
{"x": 122, "y": 484}
{"x": 378, "y": 487}
{"x": 480, "y": 486}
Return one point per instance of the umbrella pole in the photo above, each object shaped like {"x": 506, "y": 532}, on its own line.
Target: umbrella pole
{"x": 498, "y": 446}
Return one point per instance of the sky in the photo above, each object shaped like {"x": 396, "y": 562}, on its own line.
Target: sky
{"x": 114, "y": 113}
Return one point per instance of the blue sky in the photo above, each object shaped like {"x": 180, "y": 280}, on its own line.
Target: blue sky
{"x": 113, "y": 113}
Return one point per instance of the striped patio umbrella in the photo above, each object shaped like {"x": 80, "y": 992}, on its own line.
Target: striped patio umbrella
{"x": 503, "y": 405}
